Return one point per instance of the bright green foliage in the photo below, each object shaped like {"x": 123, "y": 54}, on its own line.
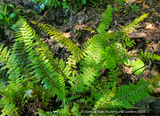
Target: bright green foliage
{"x": 148, "y": 56}
{"x": 135, "y": 8}
{"x": 128, "y": 62}
{"x": 105, "y": 23}
{"x": 65, "y": 4}
{"x": 127, "y": 94}
{"x": 130, "y": 27}
{"x": 77, "y": 54}
{"x": 138, "y": 67}
{"x": 31, "y": 67}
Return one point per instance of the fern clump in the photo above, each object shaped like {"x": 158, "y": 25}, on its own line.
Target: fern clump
{"x": 30, "y": 67}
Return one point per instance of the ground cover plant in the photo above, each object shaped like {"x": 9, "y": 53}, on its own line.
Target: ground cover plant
{"x": 29, "y": 71}
{"x": 8, "y": 19}
{"x": 70, "y": 4}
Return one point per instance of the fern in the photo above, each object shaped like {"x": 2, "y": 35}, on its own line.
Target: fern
{"x": 106, "y": 20}
{"x": 130, "y": 27}
{"x": 148, "y": 56}
{"x": 27, "y": 64}
{"x": 30, "y": 66}
{"x": 76, "y": 52}
{"x": 42, "y": 113}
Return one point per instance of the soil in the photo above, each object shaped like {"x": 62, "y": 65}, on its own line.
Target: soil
{"x": 74, "y": 26}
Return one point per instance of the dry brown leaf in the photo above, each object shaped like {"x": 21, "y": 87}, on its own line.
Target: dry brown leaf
{"x": 149, "y": 26}
{"x": 139, "y": 1}
{"x": 67, "y": 35}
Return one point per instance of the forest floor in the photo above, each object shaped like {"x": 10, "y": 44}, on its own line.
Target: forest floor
{"x": 81, "y": 25}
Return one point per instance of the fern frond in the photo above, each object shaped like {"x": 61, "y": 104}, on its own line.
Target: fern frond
{"x": 42, "y": 113}
{"x": 130, "y": 27}
{"x": 39, "y": 64}
{"x": 131, "y": 93}
{"x": 115, "y": 100}
{"x": 76, "y": 56}
{"x": 11, "y": 95}
{"x": 105, "y": 100}
{"x": 148, "y": 56}
{"x": 4, "y": 55}
{"x": 106, "y": 20}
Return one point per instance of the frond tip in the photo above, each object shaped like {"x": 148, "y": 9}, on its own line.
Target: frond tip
{"x": 130, "y": 27}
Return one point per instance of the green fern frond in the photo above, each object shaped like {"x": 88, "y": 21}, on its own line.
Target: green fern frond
{"x": 76, "y": 56}
{"x": 148, "y": 56}
{"x": 4, "y": 55}
{"x": 132, "y": 93}
{"x": 105, "y": 100}
{"x": 42, "y": 113}
{"x": 35, "y": 64}
{"x": 115, "y": 99}
{"x": 106, "y": 20}
{"x": 30, "y": 66}
{"x": 11, "y": 95}
{"x": 130, "y": 27}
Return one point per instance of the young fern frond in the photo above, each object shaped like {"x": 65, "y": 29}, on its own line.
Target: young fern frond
{"x": 130, "y": 27}
{"x": 106, "y": 20}
{"x": 92, "y": 61}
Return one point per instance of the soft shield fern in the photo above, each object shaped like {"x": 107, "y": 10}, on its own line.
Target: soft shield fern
{"x": 31, "y": 62}
{"x": 30, "y": 66}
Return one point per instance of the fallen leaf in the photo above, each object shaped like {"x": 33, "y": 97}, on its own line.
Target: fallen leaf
{"x": 140, "y": 1}
{"x": 149, "y": 26}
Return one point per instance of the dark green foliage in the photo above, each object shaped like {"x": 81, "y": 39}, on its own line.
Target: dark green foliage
{"x": 30, "y": 67}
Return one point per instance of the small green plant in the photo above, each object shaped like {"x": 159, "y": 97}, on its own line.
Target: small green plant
{"x": 135, "y": 8}
{"x": 7, "y": 19}
{"x": 49, "y": 3}
{"x": 65, "y": 4}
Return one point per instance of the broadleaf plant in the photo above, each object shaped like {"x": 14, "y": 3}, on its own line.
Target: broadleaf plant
{"x": 138, "y": 67}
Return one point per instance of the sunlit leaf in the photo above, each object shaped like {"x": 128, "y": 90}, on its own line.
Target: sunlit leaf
{"x": 138, "y": 65}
